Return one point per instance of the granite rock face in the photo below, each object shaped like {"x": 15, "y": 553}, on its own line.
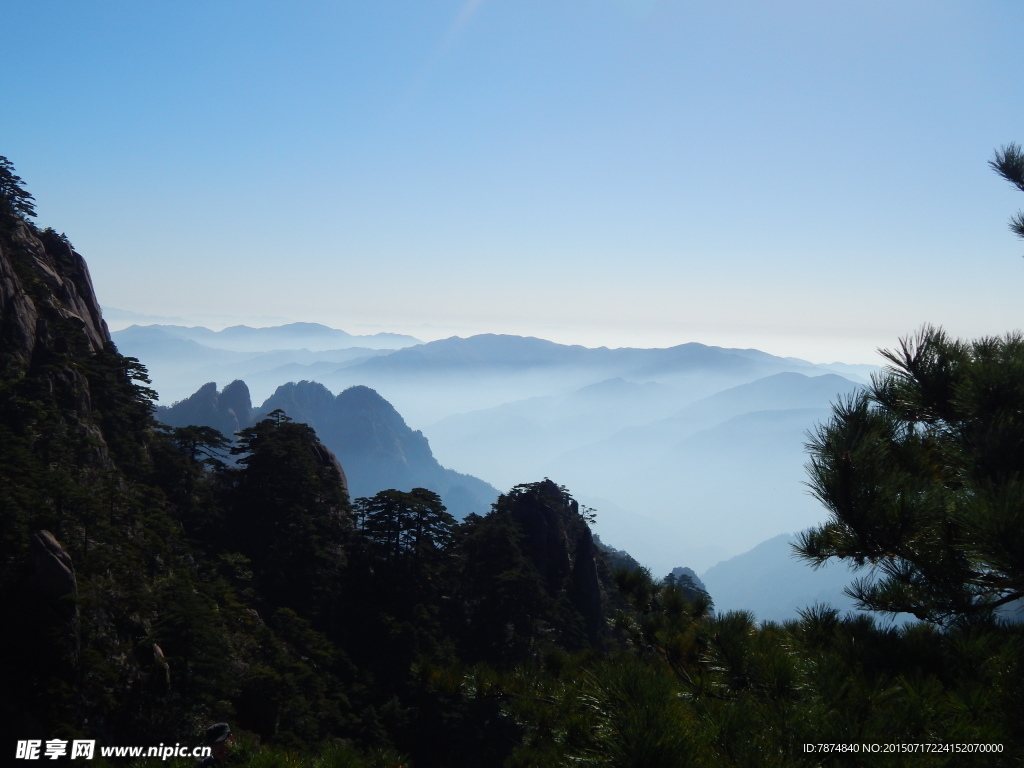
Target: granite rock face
{"x": 47, "y": 299}
{"x": 50, "y": 328}
{"x": 325, "y": 458}
{"x": 50, "y": 324}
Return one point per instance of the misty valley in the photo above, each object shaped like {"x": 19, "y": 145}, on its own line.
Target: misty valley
{"x": 650, "y": 438}
{"x": 347, "y": 550}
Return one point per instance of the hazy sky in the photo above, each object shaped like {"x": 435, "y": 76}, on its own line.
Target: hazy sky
{"x": 808, "y": 178}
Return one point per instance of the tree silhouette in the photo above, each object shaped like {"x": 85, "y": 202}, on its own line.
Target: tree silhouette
{"x": 398, "y": 523}
{"x": 1009, "y": 163}
{"x": 923, "y": 477}
{"x": 289, "y": 514}
{"x": 14, "y": 198}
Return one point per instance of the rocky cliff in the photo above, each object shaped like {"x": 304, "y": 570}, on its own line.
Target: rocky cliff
{"x": 47, "y": 301}
{"x": 53, "y": 349}
{"x": 49, "y": 316}
{"x": 376, "y": 447}
{"x": 115, "y": 558}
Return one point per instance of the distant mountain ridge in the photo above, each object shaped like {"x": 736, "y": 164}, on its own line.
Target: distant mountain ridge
{"x": 441, "y": 378}
{"x": 501, "y": 351}
{"x": 735, "y": 455}
{"x": 182, "y": 358}
{"x": 772, "y": 583}
{"x": 244, "y": 338}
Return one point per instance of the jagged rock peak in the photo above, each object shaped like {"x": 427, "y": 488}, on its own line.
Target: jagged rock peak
{"x": 236, "y": 400}
{"x": 228, "y": 411}
{"x": 365, "y": 432}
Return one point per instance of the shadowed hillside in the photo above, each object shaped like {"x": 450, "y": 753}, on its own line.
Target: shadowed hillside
{"x": 370, "y": 438}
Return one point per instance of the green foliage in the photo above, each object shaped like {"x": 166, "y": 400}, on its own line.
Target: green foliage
{"x": 923, "y": 478}
{"x": 288, "y": 512}
{"x": 202, "y": 445}
{"x": 398, "y": 524}
{"x": 620, "y": 711}
{"x": 14, "y": 198}
{"x": 530, "y": 576}
{"x": 1009, "y": 163}
{"x": 122, "y": 404}
{"x": 507, "y": 603}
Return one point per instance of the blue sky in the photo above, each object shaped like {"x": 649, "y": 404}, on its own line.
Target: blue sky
{"x": 803, "y": 177}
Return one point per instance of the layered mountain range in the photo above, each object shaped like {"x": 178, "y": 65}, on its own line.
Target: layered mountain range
{"x": 179, "y": 357}
{"x": 691, "y": 454}
{"x": 429, "y": 382}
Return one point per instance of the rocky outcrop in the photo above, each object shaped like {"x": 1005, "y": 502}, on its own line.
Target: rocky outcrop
{"x": 50, "y": 326}
{"x": 687, "y": 578}
{"x": 229, "y": 411}
{"x": 235, "y": 407}
{"x": 363, "y": 432}
{"x": 558, "y": 542}
{"x": 377, "y": 448}
{"x": 325, "y": 458}
{"x": 53, "y": 587}
{"x": 364, "y": 419}
{"x": 46, "y": 298}
{"x": 585, "y": 590}
{"x": 152, "y": 666}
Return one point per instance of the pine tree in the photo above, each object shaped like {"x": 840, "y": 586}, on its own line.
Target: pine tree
{"x": 1009, "y": 163}
{"x": 923, "y": 478}
{"x": 400, "y": 523}
{"x": 289, "y": 514}
{"x": 14, "y": 198}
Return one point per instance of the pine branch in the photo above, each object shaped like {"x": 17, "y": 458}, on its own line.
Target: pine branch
{"x": 1009, "y": 163}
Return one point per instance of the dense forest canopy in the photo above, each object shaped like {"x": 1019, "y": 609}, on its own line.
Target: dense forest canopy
{"x": 161, "y": 579}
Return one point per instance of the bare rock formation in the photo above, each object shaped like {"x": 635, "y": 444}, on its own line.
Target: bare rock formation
{"x": 325, "y": 458}
{"x": 228, "y": 411}
{"x": 46, "y": 297}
